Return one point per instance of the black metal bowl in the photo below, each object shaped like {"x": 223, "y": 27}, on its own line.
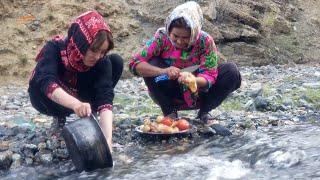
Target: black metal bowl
{"x": 87, "y": 145}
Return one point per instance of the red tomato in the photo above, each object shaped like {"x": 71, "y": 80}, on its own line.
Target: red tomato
{"x": 167, "y": 121}
{"x": 183, "y": 124}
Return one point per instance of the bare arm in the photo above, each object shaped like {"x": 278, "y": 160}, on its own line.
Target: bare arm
{"x": 201, "y": 82}
{"x": 63, "y": 98}
{"x": 145, "y": 69}
{"x": 106, "y": 126}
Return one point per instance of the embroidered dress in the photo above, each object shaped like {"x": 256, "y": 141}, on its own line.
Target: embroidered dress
{"x": 60, "y": 64}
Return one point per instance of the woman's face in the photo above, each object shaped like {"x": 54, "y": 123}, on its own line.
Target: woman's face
{"x": 92, "y": 57}
{"x": 180, "y": 37}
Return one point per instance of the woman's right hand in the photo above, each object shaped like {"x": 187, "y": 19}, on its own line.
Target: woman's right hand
{"x": 172, "y": 72}
{"x": 82, "y": 109}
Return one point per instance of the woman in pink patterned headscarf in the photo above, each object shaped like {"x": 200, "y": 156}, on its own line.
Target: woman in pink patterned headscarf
{"x": 75, "y": 74}
{"x": 180, "y": 44}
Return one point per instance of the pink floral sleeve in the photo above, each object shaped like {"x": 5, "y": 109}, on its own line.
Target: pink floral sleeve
{"x": 150, "y": 49}
{"x": 209, "y": 62}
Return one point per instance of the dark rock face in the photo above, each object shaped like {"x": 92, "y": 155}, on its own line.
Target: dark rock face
{"x": 248, "y": 28}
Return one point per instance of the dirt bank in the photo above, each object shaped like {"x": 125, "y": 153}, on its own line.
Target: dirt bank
{"x": 249, "y": 32}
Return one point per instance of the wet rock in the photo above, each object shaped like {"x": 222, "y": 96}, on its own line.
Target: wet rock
{"x": 53, "y": 143}
{"x": 20, "y": 136}
{"x": 5, "y": 160}
{"x": 283, "y": 159}
{"x": 16, "y": 147}
{"x": 49, "y": 144}
{"x": 274, "y": 122}
{"x": 263, "y": 122}
{"x": 42, "y": 146}
{"x": 63, "y": 144}
{"x": 124, "y": 124}
{"x": 29, "y": 150}
{"x": 29, "y": 161}
{"x": 61, "y": 153}
{"x": 16, "y": 161}
{"x": 249, "y": 106}
{"x": 46, "y": 158}
{"x": 31, "y": 136}
{"x": 248, "y": 124}
{"x": 4, "y": 131}
{"x": 286, "y": 122}
{"x": 4, "y": 145}
{"x": 261, "y": 103}
{"x": 40, "y": 120}
{"x": 256, "y": 90}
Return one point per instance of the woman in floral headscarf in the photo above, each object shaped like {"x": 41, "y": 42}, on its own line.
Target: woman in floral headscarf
{"x": 75, "y": 74}
{"x": 181, "y": 44}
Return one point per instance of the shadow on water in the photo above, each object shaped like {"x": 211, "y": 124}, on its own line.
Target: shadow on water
{"x": 284, "y": 152}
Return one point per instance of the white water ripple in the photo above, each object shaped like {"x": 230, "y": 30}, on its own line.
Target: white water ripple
{"x": 228, "y": 170}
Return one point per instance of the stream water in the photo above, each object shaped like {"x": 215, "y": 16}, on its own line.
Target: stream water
{"x": 284, "y": 152}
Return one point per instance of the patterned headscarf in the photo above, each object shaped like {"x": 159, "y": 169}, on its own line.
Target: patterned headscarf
{"x": 192, "y": 14}
{"x": 80, "y": 36}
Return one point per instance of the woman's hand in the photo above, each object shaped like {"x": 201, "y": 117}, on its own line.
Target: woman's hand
{"x": 82, "y": 109}
{"x": 61, "y": 97}
{"x": 172, "y": 72}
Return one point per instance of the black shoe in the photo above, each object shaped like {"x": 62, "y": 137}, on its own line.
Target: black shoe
{"x": 173, "y": 115}
{"x": 207, "y": 120}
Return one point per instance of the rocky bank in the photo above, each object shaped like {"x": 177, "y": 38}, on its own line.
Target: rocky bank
{"x": 269, "y": 96}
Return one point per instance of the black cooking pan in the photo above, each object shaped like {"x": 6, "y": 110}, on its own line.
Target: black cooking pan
{"x": 87, "y": 145}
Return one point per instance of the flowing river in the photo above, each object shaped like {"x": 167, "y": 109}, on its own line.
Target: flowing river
{"x": 284, "y": 152}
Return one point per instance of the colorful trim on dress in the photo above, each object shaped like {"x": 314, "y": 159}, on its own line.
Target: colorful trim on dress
{"x": 105, "y": 107}
{"x": 51, "y": 88}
